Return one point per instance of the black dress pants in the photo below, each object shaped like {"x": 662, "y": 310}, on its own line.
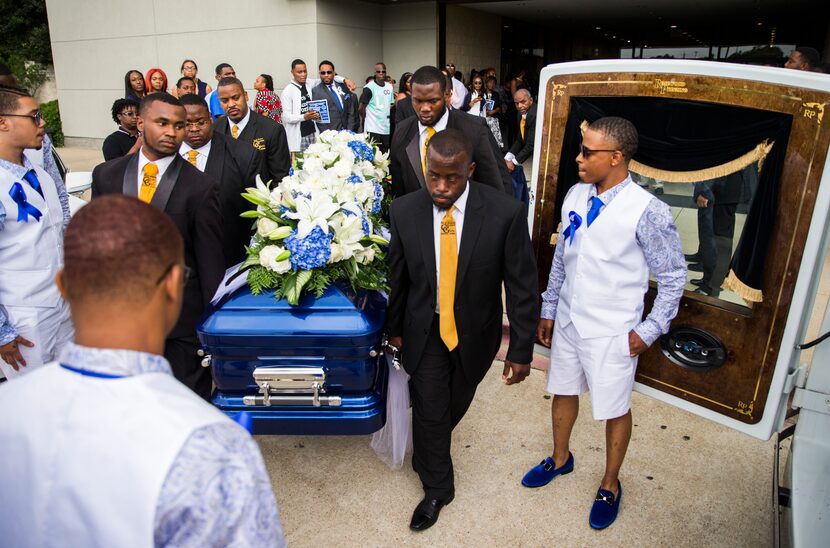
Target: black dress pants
{"x": 441, "y": 395}
{"x": 187, "y": 365}
{"x": 383, "y": 141}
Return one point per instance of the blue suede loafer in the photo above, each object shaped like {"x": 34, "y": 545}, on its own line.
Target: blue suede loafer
{"x": 544, "y": 472}
{"x": 606, "y": 507}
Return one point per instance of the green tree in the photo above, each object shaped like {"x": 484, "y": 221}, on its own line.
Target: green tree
{"x": 24, "y": 31}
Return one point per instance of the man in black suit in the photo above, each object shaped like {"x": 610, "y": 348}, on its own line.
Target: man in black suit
{"x": 266, "y": 135}
{"x": 430, "y": 99}
{"x": 449, "y": 325}
{"x": 522, "y": 148}
{"x": 233, "y": 163}
{"x": 342, "y": 106}
{"x": 156, "y": 174}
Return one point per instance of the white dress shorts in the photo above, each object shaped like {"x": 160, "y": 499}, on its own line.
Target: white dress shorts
{"x": 601, "y": 365}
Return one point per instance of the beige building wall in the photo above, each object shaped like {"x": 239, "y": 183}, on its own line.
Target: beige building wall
{"x": 95, "y": 42}
{"x": 473, "y": 39}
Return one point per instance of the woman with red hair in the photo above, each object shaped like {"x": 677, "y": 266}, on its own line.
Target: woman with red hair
{"x": 156, "y": 81}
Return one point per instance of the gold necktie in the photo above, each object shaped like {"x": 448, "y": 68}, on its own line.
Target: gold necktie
{"x": 522, "y": 128}
{"x": 148, "y": 183}
{"x": 191, "y": 157}
{"x": 430, "y": 133}
{"x": 235, "y": 131}
{"x": 446, "y": 282}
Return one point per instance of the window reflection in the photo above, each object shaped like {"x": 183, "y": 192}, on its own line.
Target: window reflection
{"x": 710, "y": 216}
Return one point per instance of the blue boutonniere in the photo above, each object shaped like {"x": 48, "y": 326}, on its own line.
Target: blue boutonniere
{"x": 576, "y": 222}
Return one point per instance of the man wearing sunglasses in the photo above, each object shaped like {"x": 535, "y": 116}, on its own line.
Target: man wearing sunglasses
{"x": 459, "y": 91}
{"x": 34, "y": 319}
{"x": 376, "y": 106}
{"x": 106, "y": 447}
{"x": 614, "y": 234}
{"x": 342, "y": 104}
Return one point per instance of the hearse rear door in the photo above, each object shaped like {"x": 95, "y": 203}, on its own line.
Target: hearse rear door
{"x": 757, "y": 139}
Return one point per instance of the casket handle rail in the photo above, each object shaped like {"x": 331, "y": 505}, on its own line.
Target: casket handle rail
{"x": 291, "y": 386}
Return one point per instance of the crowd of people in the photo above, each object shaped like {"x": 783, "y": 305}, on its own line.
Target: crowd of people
{"x": 140, "y": 457}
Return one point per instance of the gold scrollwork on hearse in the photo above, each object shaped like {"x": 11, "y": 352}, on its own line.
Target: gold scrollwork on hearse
{"x": 813, "y": 111}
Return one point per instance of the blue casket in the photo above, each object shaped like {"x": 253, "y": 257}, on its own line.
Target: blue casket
{"x": 314, "y": 368}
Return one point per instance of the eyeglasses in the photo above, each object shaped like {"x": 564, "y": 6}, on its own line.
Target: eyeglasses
{"x": 197, "y": 124}
{"x": 188, "y": 272}
{"x": 586, "y": 152}
{"x": 37, "y": 116}
{"x": 476, "y": 83}
{"x": 449, "y": 65}
{"x": 322, "y": 72}
{"x": 380, "y": 72}
{"x": 129, "y": 113}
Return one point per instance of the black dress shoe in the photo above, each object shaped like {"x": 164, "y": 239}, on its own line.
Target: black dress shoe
{"x": 699, "y": 282}
{"x": 692, "y": 257}
{"x": 426, "y": 513}
{"x": 696, "y": 267}
{"x": 706, "y": 290}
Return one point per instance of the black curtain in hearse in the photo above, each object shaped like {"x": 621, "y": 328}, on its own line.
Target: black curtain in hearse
{"x": 690, "y": 141}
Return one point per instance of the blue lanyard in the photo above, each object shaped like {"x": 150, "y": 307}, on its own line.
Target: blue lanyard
{"x": 88, "y": 373}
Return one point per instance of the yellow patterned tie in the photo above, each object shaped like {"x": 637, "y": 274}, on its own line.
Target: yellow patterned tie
{"x": 522, "y": 128}
{"x": 430, "y": 133}
{"x": 148, "y": 182}
{"x": 191, "y": 157}
{"x": 446, "y": 282}
{"x": 235, "y": 131}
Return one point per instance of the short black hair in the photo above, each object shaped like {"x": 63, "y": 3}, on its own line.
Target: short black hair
{"x": 120, "y": 104}
{"x": 381, "y": 63}
{"x": 189, "y": 61}
{"x": 428, "y": 75}
{"x": 162, "y": 96}
{"x": 193, "y": 100}
{"x": 230, "y": 81}
{"x": 621, "y": 131}
{"x": 811, "y": 55}
{"x": 296, "y": 62}
{"x": 182, "y": 79}
{"x": 221, "y": 66}
{"x": 325, "y": 62}
{"x": 9, "y": 96}
{"x": 450, "y": 143}
{"x": 269, "y": 82}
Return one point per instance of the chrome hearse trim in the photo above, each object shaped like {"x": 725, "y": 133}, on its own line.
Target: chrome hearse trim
{"x": 287, "y": 386}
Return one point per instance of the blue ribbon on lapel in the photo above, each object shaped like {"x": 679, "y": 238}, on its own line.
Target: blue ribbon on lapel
{"x": 576, "y": 222}
{"x": 24, "y": 208}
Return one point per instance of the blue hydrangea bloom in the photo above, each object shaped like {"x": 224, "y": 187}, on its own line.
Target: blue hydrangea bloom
{"x": 365, "y": 225}
{"x": 378, "y": 198}
{"x": 361, "y": 150}
{"x": 313, "y": 251}
{"x": 291, "y": 171}
{"x": 355, "y": 179}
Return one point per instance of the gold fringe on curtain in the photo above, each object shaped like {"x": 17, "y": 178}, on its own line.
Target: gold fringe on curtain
{"x": 758, "y": 154}
{"x": 750, "y": 294}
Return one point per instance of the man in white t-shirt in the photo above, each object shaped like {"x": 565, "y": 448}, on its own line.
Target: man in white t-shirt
{"x": 375, "y": 105}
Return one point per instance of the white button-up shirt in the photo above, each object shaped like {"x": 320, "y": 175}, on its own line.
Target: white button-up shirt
{"x": 203, "y": 153}
{"x": 457, "y": 216}
{"x": 240, "y": 124}
{"x": 440, "y": 125}
{"x": 162, "y": 164}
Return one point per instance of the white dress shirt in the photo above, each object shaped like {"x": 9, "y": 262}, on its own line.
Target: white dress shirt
{"x": 201, "y": 158}
{"x": 162, "y": 164}
{"x": 440, "y": 125}
{"x": 240, "y": 124}
{"x": 458, "y": 216}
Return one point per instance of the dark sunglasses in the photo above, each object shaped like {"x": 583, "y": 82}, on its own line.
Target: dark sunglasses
{"x": 326, "y": 72}
{"x": 37, "y": 116}
{"x": 586, "y": 152}
{"x": 380, "y": 72}
{"x": 188, "y": 272}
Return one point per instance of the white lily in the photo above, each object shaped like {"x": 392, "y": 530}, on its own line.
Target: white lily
{"x": 312, "y": 211}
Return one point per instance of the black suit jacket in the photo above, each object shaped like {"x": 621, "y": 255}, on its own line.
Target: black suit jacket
{"x": 191, "y": 200}
{"x": 404, "y": 109}
{"x": 267, "y": 136}
{"x": 342, "y": 117}
{"x": 495, "y": 249}
{"x": 405, "y": 168}
{"x": 235, "y": 165}
{"x": 522, "y": 149}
